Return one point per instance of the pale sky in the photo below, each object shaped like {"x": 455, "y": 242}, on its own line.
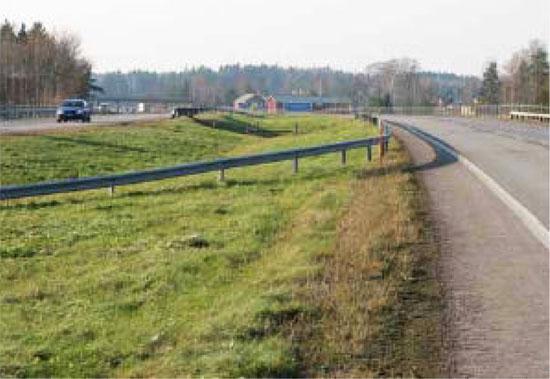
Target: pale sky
{"x": 443, "y": 35}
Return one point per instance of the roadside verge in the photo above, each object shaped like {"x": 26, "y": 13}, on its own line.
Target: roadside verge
{"x": 377, "y": 300}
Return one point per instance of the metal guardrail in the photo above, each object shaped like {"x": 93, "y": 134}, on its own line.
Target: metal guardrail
{"x": 458, "y": 110}
{"x": 189, "y": 111}
{"x": 14, "y": 112}
{"x": 529, "y": 116}
{"x": 111, "y": 181}
{"x": 11, "y": 112}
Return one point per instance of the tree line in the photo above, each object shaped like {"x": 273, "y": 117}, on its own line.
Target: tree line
{"x": 524, "y": 79}
{"x": 396, "y": 82}
{"x": 40, "y": 68}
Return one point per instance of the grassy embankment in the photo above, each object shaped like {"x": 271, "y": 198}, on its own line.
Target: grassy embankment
{"x": 329, "y": 271}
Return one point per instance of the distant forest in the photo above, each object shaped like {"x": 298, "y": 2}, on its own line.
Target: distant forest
{"x": 395, "y": 82}
{"x": 38, "y": 67}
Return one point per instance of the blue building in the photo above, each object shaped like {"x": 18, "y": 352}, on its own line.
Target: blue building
{"x": 288, "y": 103}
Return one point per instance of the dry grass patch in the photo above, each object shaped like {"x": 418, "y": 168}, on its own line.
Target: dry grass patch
{"x": 378, "y": 299}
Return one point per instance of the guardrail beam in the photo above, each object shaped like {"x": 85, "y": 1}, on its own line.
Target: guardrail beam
{"x": 110, "y": 181}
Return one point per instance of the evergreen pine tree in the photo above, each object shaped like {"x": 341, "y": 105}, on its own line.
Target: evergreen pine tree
{"x": 490, "y": 87}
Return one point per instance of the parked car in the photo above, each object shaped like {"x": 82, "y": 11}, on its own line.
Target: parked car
{"x": 74, "y": 109}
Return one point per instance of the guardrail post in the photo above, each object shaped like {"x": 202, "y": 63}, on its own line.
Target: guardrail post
{"x": 295, "y": 165}
{"x": 221, "y": 175}
{"x": 381, "y": 142}
{"x": 214, "y": 124}
{"x": 343, "y": 160}
{"x": 111, "y": 190}
{"x": 296, "y": 128}
{"x": 369, "y": 153}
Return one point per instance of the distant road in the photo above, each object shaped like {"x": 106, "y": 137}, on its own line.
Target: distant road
{"x": 494, "y": 270}
{"x": 38, "y": 125}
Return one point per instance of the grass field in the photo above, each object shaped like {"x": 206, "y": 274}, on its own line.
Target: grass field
{"x": 327, "y": 272}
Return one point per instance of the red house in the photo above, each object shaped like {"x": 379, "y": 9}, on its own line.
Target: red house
{"x": 271, "y": 105}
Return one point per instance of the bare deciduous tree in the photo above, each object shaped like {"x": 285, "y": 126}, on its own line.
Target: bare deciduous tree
{"x": 38, "y": 68}
{"x": 525, "y": 78}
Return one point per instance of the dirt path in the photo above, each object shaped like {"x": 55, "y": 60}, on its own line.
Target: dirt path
{"x": 494, "y": 271}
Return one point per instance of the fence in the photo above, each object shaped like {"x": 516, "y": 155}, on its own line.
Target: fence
{"x": 475, "y": 110}
{"x": 13, "y": 112}
{"x": 10, "y": 112}
{"x": 111, "y": 181}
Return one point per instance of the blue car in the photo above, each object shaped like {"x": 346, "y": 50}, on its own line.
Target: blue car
{"x": 74, "y": 109}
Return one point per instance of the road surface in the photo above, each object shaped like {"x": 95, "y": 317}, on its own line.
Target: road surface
{"x": 494, "y": 271}
{"x": 25, "y": 126}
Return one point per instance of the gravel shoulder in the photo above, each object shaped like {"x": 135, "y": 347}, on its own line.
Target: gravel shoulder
{"x": 495, "y": 274}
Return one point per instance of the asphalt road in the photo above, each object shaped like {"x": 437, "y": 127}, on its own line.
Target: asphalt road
{"x": 514, "y": 154}
{"x": 24, "y": 126}
{"x": 494, "y": 271}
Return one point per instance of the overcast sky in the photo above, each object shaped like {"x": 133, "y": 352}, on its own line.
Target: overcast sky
{"x": 443, "y": 35}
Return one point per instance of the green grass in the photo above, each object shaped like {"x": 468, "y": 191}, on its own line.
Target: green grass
{"x": 188, "y": 276}
{"x": 99, "y": 286}
{"x": 102, "y": 150}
